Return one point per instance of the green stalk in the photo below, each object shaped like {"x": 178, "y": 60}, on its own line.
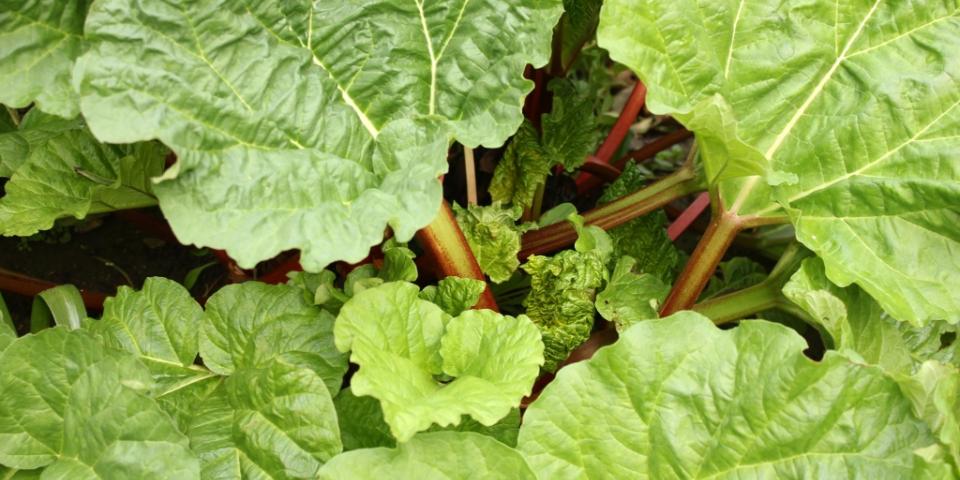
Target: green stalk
{"x": 681, "y": 183}
{"x": 762, "y": 296}
{"x": 445, "y": 243}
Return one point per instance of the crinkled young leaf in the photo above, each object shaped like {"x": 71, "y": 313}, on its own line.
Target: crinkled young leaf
{"x": 569, "y": 131}
{"x": 309, "y": 125}
{"x": 643, "y": 238}
{"x": 433, "y": 456}
{"x": 852, "y": 113}
{"x": 248, "y": 325}
{"x": 398, "y": 264}
{"x": 630, "y": 297}
{"x": 523, "y": 168}
{"x": 82, "y": 411}
{"x": 273, "y": 421}
{"x": 454, "y": 294}
{"x": 405, "y": 346}
{"x": 65, "y": 172}
{"x": 494, "y": 237}
{"x": 856, "y": 322}
{"x": 680, "y": 398}
{"x": 41, "y": 41}
{"x": 562, "y": 290}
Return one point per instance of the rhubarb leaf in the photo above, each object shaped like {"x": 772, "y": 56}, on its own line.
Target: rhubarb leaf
{"x": 408, "y": 349}
{"x": 711, "y": 403}
{"x": 275, "y": 420}
{"x": 454, "y": 294}
{"x": 854, "y": 321}
{"x": 732, "y": 275}
{"x": 631, "y": 296}
{"x": 42, "y": 40}
{"x": 249, "y": 325}
{"x": 433, "y": 456}
{"x": 576, "y": 28}
{"x": 361, "y": 422}
{"x": 562, "y": 291}
{"x": 82, "y": 411}
{"x": 398, "y": 264}
{"x": 522, "y": 170}
{"x": 161, "y": 322}
{"x": 852, "y": 136}
{"x": 307, "y": 125}
{"x": 569, "y": 130}
{"x": 58, "y": 169}
{"x": 494, "y": 237}
{"x": 643, "y": 238}
{"x": 935, "y": 392}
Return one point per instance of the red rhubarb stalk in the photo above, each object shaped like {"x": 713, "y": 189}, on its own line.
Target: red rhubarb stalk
{"x": 444, "y": 242}
{"x": 619, "y": 131}
{"x": 28, "y": 286}
{"x": 686, "y": 218}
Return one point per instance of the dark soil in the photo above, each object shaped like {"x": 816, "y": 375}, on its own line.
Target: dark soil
{"x": 100, "y": 254}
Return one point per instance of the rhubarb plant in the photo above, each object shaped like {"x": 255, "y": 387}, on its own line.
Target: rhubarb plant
{"x": 545, "y": 329}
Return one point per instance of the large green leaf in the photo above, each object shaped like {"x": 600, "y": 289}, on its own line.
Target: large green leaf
{"x": 680, "y": 398}
{"x": 433, "y": 456}
{"x": 274, "y": 421}
{"x": 855, "y": 322}
{"x": 309, "y": 125}
{"x": 408, "y": 349}
{"x": 41, "y": 41}
{"x": 59, "y": 169}
{"x": 248, "y": 325}
{"x": 82, "y": 411}
{"x": 849, "y": 109}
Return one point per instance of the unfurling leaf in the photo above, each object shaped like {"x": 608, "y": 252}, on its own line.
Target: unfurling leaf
{"x": 494, "y": 237}
{"x": 426, "y": 367}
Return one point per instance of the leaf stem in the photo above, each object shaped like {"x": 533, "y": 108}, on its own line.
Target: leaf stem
{"x": 708, "y": 254}
{"x": 444, "y": 242}
{"x": 757, "y": 298}
{"x": 683, "y": 182}
{"x": 471, "y": 172}
{"x": 702, "y": 263}
{"x": 618, "y": 133}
